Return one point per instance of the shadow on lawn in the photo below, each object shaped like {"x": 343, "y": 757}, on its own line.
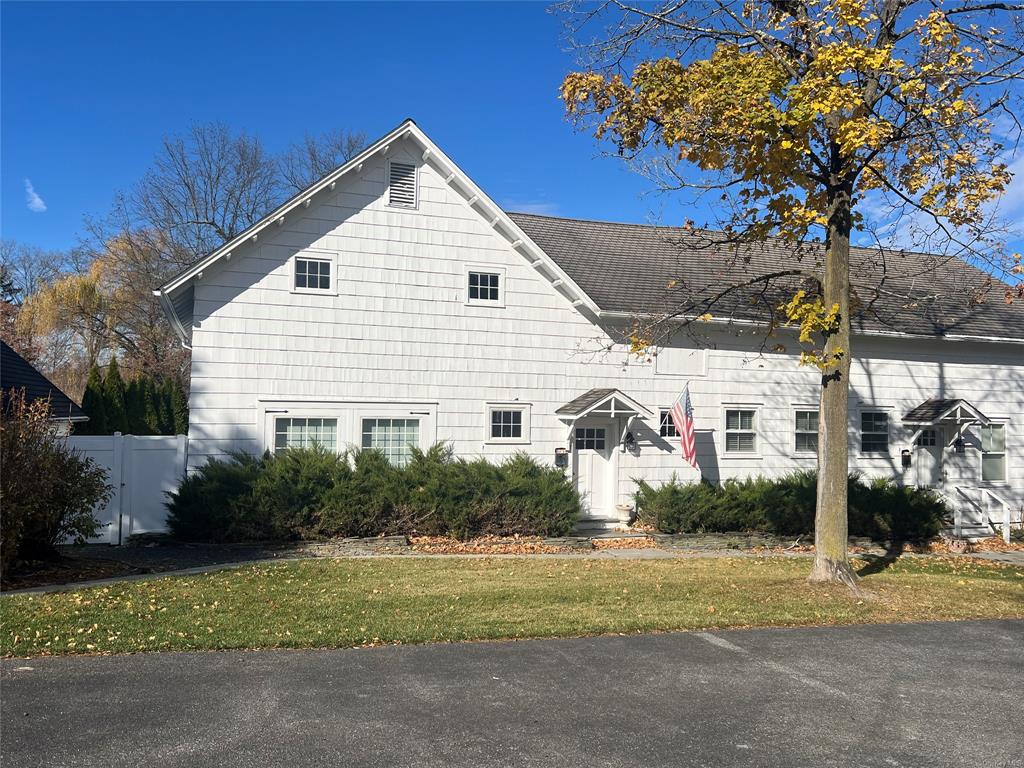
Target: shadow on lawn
{"x": 879, "y": 563}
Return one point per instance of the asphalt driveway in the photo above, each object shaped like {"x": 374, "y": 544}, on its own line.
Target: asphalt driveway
{"x": 892, "y": 695}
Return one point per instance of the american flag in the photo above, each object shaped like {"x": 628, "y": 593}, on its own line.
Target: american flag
{"x": 682, "y": 417}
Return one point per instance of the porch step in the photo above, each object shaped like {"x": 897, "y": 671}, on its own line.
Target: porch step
{"x": 590, "y": 526}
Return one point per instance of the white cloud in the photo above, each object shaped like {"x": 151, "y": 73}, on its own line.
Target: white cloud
{"x": 32, "y": 199}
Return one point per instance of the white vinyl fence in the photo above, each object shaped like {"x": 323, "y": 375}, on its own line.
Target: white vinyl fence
{"x": 142, "y": 471}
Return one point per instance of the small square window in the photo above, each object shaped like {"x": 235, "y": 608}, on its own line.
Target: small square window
{"x": 313, "y": 274}
{"x": 874, "y": 432}
{"x": 484, "y": 287}
{"x": 506, "y": 424}
{"x": 806, "y": 430}
{"x": 667, "y": 427}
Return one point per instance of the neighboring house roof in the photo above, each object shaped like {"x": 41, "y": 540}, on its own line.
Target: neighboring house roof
{"x": 16, "y": 373}
{"x": 628, "y": 268}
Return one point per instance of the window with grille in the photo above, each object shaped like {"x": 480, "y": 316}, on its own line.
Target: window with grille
{"x": 313, "y": 274}
{"x": 506, "y": 424}
{"x": 740, "y": 431}
{"x": 401, "y": 185}
{"x": 484, "y": 287}
{"x": 993, "y": 453}
{"x": 395, "y": 438}
{"x": 667, "y": 427}
{"x": 305, "y": 433}
{"x": 806, "y": 431}
{"x": 590, "y": 438}
{"x": 874, "y": 432}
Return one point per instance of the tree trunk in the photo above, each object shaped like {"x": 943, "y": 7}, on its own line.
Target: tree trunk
{"x": 831, "y": 560}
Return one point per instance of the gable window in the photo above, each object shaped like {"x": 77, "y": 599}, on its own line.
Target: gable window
{"x": 312, "y": 274}
{"x": 993, "y": 453}
{"x": 305, "y": 433}
{"x": 806, "y": 431}
{"x": 740, "y": 434}
{"x": 401, "y": 185}
{"x": 667, "y": 427}
{"x": 874, "y": 432}
{"x": 395, "y": 438}
{"x": 483, "y": 287}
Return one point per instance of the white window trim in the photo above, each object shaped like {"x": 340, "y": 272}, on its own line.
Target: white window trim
{"x": 488, "y": 269}
{"x": 415, "y": 188}
{"x": 886, "y": 409}
{"x": 755, "y": 454}
{"x": 299, "y": 414}
{"x": 1005, "y": 424}
{"x": 306, "y": 255}
{"x": 794, "y": 409}
{"x": 515, "y": 405}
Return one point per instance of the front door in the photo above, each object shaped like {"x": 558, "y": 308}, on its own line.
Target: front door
{"x": 595, "y": 470}
{"x": 928, "y": 458}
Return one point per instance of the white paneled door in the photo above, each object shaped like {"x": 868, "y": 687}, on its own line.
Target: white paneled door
{"x": 595, "y": 469}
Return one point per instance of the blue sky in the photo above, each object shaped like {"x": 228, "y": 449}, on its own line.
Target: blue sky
{"x": 89, "y": 90}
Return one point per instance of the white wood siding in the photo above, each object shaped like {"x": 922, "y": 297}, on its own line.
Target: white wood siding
{"x": 398, "y": 331}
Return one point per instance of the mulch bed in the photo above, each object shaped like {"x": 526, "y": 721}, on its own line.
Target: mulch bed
{"x": 65, "y": 570}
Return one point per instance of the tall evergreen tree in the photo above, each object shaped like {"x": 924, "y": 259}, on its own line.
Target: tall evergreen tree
{"x": 179, "y": 409}
{"x": 114, "y": 395}
{"x": 151, "y": 396}
{"x": 134, "y": 403}
{"x": 94, "y": 406}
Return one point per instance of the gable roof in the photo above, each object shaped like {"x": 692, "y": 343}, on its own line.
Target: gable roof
{"x": 174, "y": 295}
{"x": 17, "y": 373}
{"x": 607, "y": 269}
{"x": 592, "y": 400}
{"x": 936, "y": 409}
{"x": 627, "y": 268}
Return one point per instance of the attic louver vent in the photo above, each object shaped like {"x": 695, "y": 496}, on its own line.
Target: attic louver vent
{"x": 402, "y": 185}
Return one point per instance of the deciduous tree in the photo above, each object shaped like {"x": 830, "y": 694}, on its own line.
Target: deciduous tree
{"x": 795, "y": 113}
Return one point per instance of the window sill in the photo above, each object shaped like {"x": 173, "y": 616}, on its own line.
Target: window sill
{"x": 507, "y": 441}
{"x": 732, "y": 455}
{"x": 484, "y": 303}
{"x": 314, "y": 291}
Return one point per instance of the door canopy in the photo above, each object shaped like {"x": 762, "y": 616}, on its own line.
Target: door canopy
{"x": 602, "y": 402}
{"x": 939, "y": 412}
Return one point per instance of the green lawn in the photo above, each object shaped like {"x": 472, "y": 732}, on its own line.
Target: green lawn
{"x": 349, "y": 602}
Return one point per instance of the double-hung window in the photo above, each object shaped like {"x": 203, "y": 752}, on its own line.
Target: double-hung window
{"x": 993, "y": 453}
{"x": 874, "y": 432}
{"x": 395, "y": 438}
{"x": 667, "y": 427}
{"x": 740, "y": 430}
{"x": 806, "y": 431}
{"x": 305, "y": 433}
{"x": 312, "y": 274}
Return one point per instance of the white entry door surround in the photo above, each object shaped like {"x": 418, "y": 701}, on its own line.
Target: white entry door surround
{"x": 594, "y": 466}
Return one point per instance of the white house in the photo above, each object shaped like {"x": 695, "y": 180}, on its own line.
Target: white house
{"x": 394, "y": 303}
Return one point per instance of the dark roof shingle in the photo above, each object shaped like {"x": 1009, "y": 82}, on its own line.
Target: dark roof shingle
{"x": 628, "y": 268}
{"x": 17, "y": 373}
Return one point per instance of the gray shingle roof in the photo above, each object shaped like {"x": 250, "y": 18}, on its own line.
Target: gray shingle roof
{"x": 17, "y": 373}
{"x": 628, "y": 268}
{"x": 583, "y": 402}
